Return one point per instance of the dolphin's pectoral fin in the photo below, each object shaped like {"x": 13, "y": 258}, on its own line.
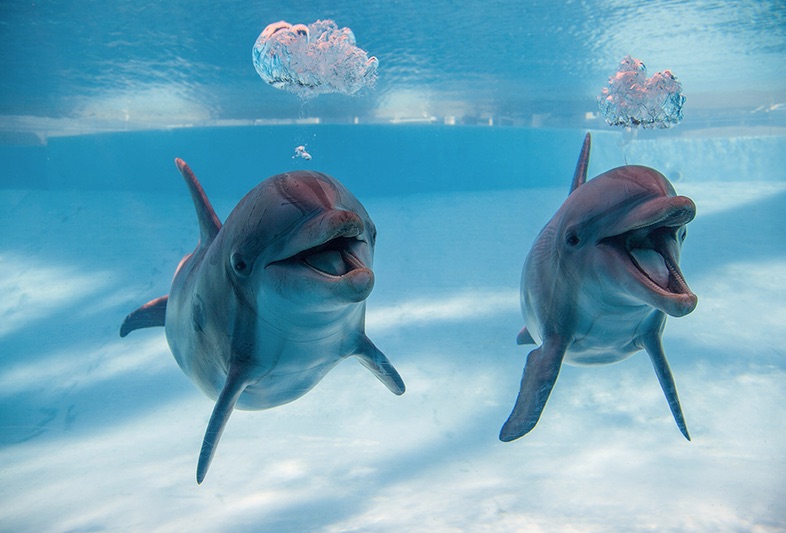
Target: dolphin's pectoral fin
{"x": 233, "y": 388}
{"x": 370, "y": 357}
{"x": 524, "y": 337}
{"x": 654, "y": 347}
{"x": 540, "y": 374}
{"x": 242, "y": 348}
{"x": 150, "y": 315}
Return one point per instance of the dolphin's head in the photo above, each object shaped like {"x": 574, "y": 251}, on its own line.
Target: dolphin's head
{"x": 625, "y": 230}
{"x": 301, "y": 241}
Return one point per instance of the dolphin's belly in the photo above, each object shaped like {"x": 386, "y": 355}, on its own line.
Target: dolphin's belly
{"x": 278, "y": 388}
{"x": 299, "y": 366}
{"x": 602, "y": 333}
{"x": 584, "y": 354}
{"x": 606, "y": 338}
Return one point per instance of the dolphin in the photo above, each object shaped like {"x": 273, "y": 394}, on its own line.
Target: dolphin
{"x": 271, "y": 300}
{"x": 599, "y": 281}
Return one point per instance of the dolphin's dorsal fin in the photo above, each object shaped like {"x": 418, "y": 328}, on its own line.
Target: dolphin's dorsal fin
{"x": 540, "y": 374}
{"x": 654, "y": 347}
{"x": 370, "y": 357}
{"x": 208, "y": 220}
{"x": 580, "y": 176}
{"x": 235, "y": 384}
{"x": 150, "y": 315}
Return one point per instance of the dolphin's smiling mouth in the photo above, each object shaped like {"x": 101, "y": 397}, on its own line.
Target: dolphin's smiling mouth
{"x": 652, "y": 255}
{"x": 335, "y": 247}
{"x": 649, "y": 239}
{"x": 652, "y": 252}
{"x": 336, "y": 257}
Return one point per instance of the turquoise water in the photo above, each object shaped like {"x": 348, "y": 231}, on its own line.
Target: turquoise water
{"x": 99, "y": 433}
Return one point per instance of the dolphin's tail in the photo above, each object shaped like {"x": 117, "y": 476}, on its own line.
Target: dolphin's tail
{"x": 150, "y": 315}
{"x": 235, "y": 385}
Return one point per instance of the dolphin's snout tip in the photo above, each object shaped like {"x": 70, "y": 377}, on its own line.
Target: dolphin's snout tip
{"x": 685, "y": 306}
{"x": 360, "y": 283}
{"x": 692, "y": 302}
{"x": 679, "y": 211}
{"x": 688, "y": 207}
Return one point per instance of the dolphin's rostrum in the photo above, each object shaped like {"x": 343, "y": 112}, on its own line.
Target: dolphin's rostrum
{"x": 599, "y": 281}
{"x": 272, "y": 300}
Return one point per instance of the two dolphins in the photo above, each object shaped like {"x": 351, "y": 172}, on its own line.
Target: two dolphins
{"x": 274, "y": 298}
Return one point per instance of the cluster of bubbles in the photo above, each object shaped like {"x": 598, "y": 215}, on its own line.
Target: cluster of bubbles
{"x": 312, "y": 60}
{"x": 633, "y": 100}
{"x": 300, "y": 152}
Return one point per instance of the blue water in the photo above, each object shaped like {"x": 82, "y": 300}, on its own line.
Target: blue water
{"x": 461, "y": 153}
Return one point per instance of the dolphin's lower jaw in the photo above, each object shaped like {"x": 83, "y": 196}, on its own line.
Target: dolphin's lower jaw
{"x": 650, "y": 256}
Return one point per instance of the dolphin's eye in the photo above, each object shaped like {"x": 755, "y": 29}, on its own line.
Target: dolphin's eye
{"x": 683, "y": 234}
{"x": 572, "y": 239}
{"x": 238, "y": 264}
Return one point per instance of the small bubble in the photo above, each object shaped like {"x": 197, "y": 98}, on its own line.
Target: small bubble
{"x": 300, "y": 152}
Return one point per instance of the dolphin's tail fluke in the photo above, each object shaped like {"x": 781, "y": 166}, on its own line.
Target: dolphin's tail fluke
{"x": 208, "y": 220}
{"x": 654, "y": 347}
{"x": 235, "y": 385}
{"x": 150, "y": 315}
{"x": 540, "y": 374}
{"x": 580, "y": 175}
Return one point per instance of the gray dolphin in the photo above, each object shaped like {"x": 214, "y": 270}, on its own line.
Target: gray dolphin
{"x": 600, "y": 280}
{"x": 272, "y": 300}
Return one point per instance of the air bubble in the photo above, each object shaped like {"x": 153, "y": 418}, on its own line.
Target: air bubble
{"x": 632, "y": 100}
{"x": 311, "y": 60}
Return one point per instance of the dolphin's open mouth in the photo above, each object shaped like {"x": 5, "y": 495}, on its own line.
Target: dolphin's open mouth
{"x": 338, "y": 248}
{"x": 336, "y": 257}
{"x": 648, "y": 239}
{"x": 653, "y": 252}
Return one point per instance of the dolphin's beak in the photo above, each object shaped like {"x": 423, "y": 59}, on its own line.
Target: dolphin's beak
{"x": 648, "y": 241}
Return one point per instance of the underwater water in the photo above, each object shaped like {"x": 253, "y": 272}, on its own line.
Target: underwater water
{"x": 461, "y": 153}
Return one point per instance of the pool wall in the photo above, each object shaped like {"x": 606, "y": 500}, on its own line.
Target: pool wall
{"x": 373, "y": 160}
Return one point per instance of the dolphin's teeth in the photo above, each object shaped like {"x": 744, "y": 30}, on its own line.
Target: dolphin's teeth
{"x": 677, "y": 281}
{"x": 652, "y": 264}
